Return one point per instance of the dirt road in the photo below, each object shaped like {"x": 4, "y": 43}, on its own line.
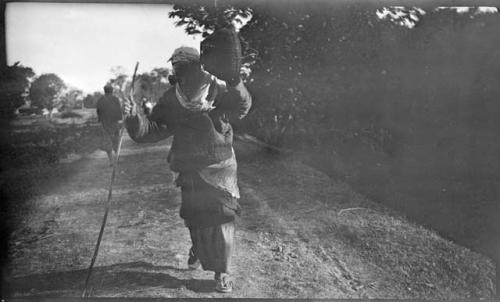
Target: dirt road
{"x": 301, "y": 235}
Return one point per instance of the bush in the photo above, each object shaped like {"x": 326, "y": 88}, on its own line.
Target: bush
{"x": 42, "y": 146}
{"x": 70, "y": 114}
{"x": 29, "y": 111}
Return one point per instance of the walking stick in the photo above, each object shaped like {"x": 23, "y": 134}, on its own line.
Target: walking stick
{"x": 110, "y": 192}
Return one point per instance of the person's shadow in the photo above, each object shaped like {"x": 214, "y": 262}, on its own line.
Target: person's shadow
{"x": 119, "y": 278}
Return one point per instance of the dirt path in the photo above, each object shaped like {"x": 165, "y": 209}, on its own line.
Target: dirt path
{"x": 301, "y": 235}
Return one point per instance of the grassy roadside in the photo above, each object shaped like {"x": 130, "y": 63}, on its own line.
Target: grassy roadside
{"x": 382, "y": 253}
{"x": 31, "y": 149}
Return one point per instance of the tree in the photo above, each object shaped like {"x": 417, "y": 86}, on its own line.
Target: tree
{"x": 90, "y": 100}
{"x": 47, "y": 91}
{"x": 14, "y": 85}
{"x": 120, "y": 82}
{"x": 201, "y": 19}
{"x": 198, "y": 19}
{"x": 298, "y": 54}
{"x": 150, "y": 86}
{"x": 72, "y": 98}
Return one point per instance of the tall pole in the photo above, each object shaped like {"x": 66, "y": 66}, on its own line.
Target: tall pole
{"x": 110, "y": 194}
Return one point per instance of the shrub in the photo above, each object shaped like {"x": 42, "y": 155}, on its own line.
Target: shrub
{"x": 70, "y": 114}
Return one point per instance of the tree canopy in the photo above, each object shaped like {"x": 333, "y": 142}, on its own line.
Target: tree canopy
{"x": 14, "y": 85}
{"x": 46, "y": 91}
{"x": 323, "y": 67}
{"x": 72, "y": 98}
{"x": 148, "y": 86}
{"x": 90, "y": 100}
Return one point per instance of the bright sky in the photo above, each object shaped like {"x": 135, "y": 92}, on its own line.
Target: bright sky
{"x": 82, "y": 42}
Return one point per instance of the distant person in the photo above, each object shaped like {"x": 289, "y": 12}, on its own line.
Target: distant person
{"x": 109, "y": 113}
{"x": 197, "y": 111}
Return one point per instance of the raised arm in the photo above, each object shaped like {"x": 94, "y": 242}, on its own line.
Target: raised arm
{"x": 235, "y": 100}
{"x": 147, "y": 129}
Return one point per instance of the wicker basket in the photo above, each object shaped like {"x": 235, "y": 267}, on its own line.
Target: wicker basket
{"x": 221, "y": 54}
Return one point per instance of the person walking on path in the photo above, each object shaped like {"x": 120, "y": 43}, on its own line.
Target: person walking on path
{"x": 109, "y": 114}
{"x": 197, "y": 111}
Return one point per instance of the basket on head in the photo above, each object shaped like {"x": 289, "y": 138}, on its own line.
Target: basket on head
{"x": 221, "y": 54}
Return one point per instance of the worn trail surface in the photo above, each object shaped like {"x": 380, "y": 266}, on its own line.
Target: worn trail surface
{"x": 301, "y": 235}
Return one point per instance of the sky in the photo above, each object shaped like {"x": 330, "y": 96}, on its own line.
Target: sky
{"x": 82, "y": 43}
